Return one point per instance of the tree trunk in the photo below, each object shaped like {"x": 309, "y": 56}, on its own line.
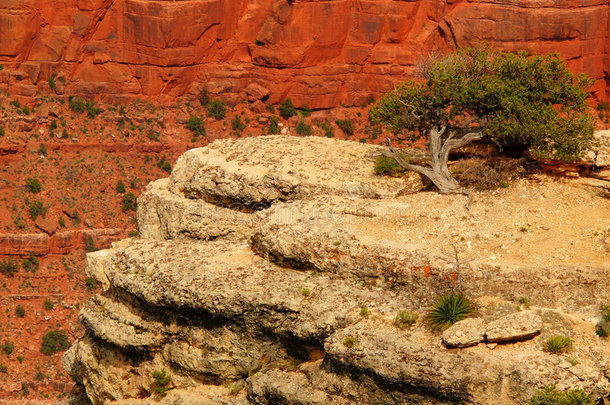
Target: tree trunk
{"x": 438, "y": 172}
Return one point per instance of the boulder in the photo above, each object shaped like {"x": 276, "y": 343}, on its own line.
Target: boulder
{"x": 466, "y": 333}
{"x": 515, "y": 327}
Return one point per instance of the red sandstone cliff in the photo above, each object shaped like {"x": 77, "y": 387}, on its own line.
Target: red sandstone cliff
{"x": 320, "y": 53}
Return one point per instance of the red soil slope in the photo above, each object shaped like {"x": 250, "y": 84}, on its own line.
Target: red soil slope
{"x": 319, "y": 53}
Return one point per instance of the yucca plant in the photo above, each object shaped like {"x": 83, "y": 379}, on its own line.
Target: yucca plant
{"x": 449, "y": 309}
{"x": 557, "y": 344}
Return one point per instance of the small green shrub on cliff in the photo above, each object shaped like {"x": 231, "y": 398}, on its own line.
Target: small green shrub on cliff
{"x": 329, "y": 132}
{"x": 603, "y": 326}
{"x": 237, "y": 124}
{"x": 196, "y": 125}
{"x": 54, "y": 341}
{"x": 217, "y": 109}
{"x": 8, "y": 347}
{"x": 204, "y": 96}
{"x": 33, "y": 185}
{"x": 130, "y": 202}
{"x": 31, "y": 264}
{"x": 303, "y": 129}
{"x": 405, "y": 319}
{"x": 20, "y": 311}
{"x": 8, "y": 267}
{"x": 120, "y": 187}
{"x": 349, "y": 342}
{"x": 161, "y": 383}
{"x": 557, "y": 344}
{"x": 550, "y": 396}
{"x": 449, "y": 309}
{"x": 346, "y": 126}
{"x": 287, "y": 109}
{"x": 274, "y": 126}
{"x": 387, "y": 166}
{"x": 77, "y": 104}
{"x": 2, "y": 131}
{"x": 48, "y": 304}
{"x": 36, "y": 208}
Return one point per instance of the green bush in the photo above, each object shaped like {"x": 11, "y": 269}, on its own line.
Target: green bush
{"x": 237, "y": 124}
{"x": 196, "y": 125}
{"x": 36, "y": 208}
{"x": 217, "y": 109}
{"x": 557, "y": 344}
{"x": 550, "y": 396}
{"x": 287, "y": 109}
{"x": 329, "y": 132}
{"x": 161, "y": 383}
{"x": 349, "y": 342}
{"x": 130, "y": 202}
{"x": 8, "y": 267}
{"x": 2, "y": 131}
{"x": 346, "y": 126}
{"x": 8, "y": 347}
{"x": 164, "y": 165}
{"x": 31, "y": 264}
{"x": 33, "y": 185}
{"x": 92, "y": 110}
{"x": 204, "y": 96}
{"x": 90, "y": 244}
{"x": 54, "y": 341}
{"x": 387, "y": 166}
{"x": 449, "y": 309}
{"x": 3, "y": 369}
{"x": 603, "y": 326}
{"x": 90, "y": 283}
{"x": 274, "y": 126}
{"x": 19, "y": 311}
{"x": 48, "y": 304}
{"x": 77, "y": 104}
{"x": 120, "y": 187}
{"x": 405, "y": 319}
{"x": 303, "y": 129}
{"x": 52, "y": 83}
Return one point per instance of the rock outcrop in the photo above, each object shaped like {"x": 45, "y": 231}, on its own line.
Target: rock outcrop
{"x": 319, "y": 53}
{"x": 258, "y": 280}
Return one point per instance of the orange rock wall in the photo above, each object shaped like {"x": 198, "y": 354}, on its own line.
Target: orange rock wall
{"x": 319, "y": 53}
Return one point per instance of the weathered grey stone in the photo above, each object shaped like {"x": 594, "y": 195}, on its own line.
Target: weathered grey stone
{"x": 285, "y": 387}
{"x": 466, "y": 333}
{"x": 518, "y": 326}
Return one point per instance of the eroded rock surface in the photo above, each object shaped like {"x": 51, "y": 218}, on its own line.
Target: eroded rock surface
{"x": 266, "y": 305}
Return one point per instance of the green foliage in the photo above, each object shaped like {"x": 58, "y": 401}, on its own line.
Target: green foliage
{"x": 274, "y": 126}
{"x": 287, "y": 109}
{"x": 387, "y": 165}
{"x": 8, "y": 267}
{"x": 196, "y": 125}
{"x": 2, "y": 131}
{"x": 164, "y": 165}
{"x": 217, "y": 109}
{"x": 53, "y": 125}
{"x": 36, "y": 208}
{"x": 90, "y": 244}
{"x": 48, "y": 304}
{"x": 329, "y": 132}
{"x": 90, "y": 283}
{"x": 31, "y": 264}
{"x": 602, "y": 328}
{"x": 92, "y": 109}
{"x": 3, "y": 369}
{"x": 24, "y": 111}
{"x": 120, "y": 187}
{"x": 550, "y": 396}
{"x": 130, "y": 202}
{"x": 305, "y": 111}
{"x": 52, "y": 83}
{"x": 204, "y": 96}
{"x": 33, "y": 185}
{"x": 161, "y": 383}
{"x": 43, "y": 150}
{"x": 557, "y": 344}
{"x": 77, "y": 104}
{"x": 516, "y": 99}
{"x": 237, "y": 124}
{"x": 346, "y": 126}
{"x": 54, "y": 341}
{"x": 349, "y": 342}
{"x": 8, "y": 347}
{"x": 405, "y": 319}
{"x": 303, "y": 129}
{"x": 449, "y": 309}
{"x": 270, "y": 108}
{"x": 19, "y": 311}
{"x": 364, "y": 311}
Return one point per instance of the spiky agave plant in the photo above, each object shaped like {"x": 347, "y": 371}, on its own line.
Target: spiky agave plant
{"x": 449, "y": 309}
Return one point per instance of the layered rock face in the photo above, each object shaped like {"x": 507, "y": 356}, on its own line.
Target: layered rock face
{"x": 271, "y": 270}
{"x": 320, "y": 53}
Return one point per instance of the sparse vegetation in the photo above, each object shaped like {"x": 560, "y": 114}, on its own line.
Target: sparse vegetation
{"x": 405, "y": 319}
{"x": 346, "y": 126}
{"x": 164, "y": 165}
{"x": 90, "y": 283}
{"x": 36, "y": 208}
{"x": 54, "y": 341}
{"x": 602, "y": 329}
{"x": 274, "y": 126}
{"x": 8, "y": 267}
{"x": 90, "y": 244}
{"x": 8, "y": 347}
{"x": 204, "y": 96}
{"x": 349, "y": 342}
{"x": 19, "y": 311}
{"x": 550, "y": 396}
{"x": 557, "y": 344}
{"x": 449, "y": 309}
{"x": 329, "y": 132}
{"x": 130, "y": 202}
{"x": 120, "y": 187}
{"x": 364, "y": 311}
{"x": 33, "y": 185}
{"x": 161, "y": 382}
{"x": 48, "y": 304}
{"x": 30, "y": 264}
{"x": 196, "y": 125}
{"x": 385, "y": 165}
{"x": 237, "y": 124}
{"x": 286, "y": 109}
{"x": 217, "y": 109}
{"x": 303, "y": 129}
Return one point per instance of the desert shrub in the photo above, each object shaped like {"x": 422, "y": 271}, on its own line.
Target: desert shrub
{"x": 405, "y": 319}
{"x": 130, "y": 202}
{"x": 2, "y": 131}
{"x": 329, "y": 132}
{"x": 161, "y": 382}
{"x": 31, "y": 264}
{"x": 216, "y": 109}
{"x": 48, "y": 304}
{"x": 274, "y": 126}
{"x": 385, "y": 165}
{"x": 8, "y": 267}
{"x": 557, "y": 344}
{"x": 64, "y": 134}
{"x": 603, "y": 326}
{"x": 449, "y": 309}
{"x": 120, "y": 187}
{"x": 33, "y": 185}
{"x": 42, "y": 150}
{"x": 349, "y": 342}
{"x": 90, "y": 283}
{"x": 287, "y": 109}
{"x": 19, "y": 311}
{"x": 8, "y": 347}
{"x": 52, "y": 83}
{"x": 164, "y": 165}
{"x": 364, "y": 311}
{"x": 550, "y": 396}
{"x": 3, "y": 369}
{"x": 54, "y": 341}
{"x": 196, "y": 125}
{"x": 53, "y": 125}
{"x": 303, "y": 129}
{"x": 36, "y": 208}
{"x": 204, "y": 96}
{"x": 305, "y": 111}
{"x": 77, "y": 104}
{"x": 346, "y": 126}
{"x": 24, "y": 111}
{"x": 237, "y": 124}
{"x": 486, "y": 174}
{"x": 92, "y": 109}
{"x": 270, "y": 108}
{"x": 90, "y": 244}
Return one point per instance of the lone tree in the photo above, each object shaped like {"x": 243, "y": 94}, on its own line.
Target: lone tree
{"x": 532, "y": 102}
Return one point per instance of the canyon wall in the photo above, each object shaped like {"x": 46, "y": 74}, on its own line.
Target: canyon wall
{"x": 319, "y": 53}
